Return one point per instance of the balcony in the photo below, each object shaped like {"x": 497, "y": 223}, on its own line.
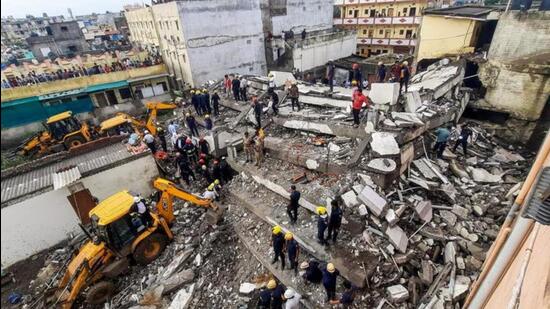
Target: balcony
{"x": 386, "y": 41}
{"x": 356, "y": 2}
{"x": 403, "y": 20}
{"x": 80, "y": 82}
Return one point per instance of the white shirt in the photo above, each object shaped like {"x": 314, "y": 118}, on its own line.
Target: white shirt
{"x": 172, "y": 128}
{"x": 211, "y": 195}
{"x": 244, "y": 83}
{"x": 148, "y": 138}
{"x": 141, "y": 208}
{"x": 294, "y": 302}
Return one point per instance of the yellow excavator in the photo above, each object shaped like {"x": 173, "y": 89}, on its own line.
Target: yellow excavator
{"x": 62, "y": 132}
{"x": 127, "y": 123}
{"x": 118, "y": 237}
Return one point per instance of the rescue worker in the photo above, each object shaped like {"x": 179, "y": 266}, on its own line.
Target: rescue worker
{"x": 264, "y": 302}
{"x": 161, "y": 133}
{"x": 347, "y": 297}
{"x": 191, "y": 124}
{"x": 404, "y": 76}
{"x": 180, "y": 143}
{"x": 202, "y": 103}
{"x": 208, "y": 124}
{"x": 216, "y": 170}
{"x": 292, "y": 299}
{"x": 207, "y": 101}
{"x": 216, "y": 103}
{"x": 190, "y": 151}
{"x": 357, "y": 75}
{"x": 258, "y": 110}
{"x": 358, "y": 101}
{"x": 395, "y": 72}
{"x": 259, "y": 152}
{"x": 465, "y": 133}
{"x": 186, "y": 173}
{"x": 293, "y": 251}
{"x": 330, "y": 274}
{"x": 278, "y": 243}
{"x": 441, "y": 140}
{"x": 204, "y": 148}
{"x": 294, "y": 95}
{"x": 205, "y": 173}
{"x": 322, "y": 223}
{"x": 209, "y": 193}
{"x": 312, "y": 272}
{"x": 330, "y": 74}
{"x": 276, "y": 295}
{"x": 141, "y": 209}
{"x": 292, "y": 208}
{"x": 248, "y": 146}
{"x": 335, "y": 220}
{"x": 275, "y": 103}
{"x": 381, "y": 72}
{"x": 173, "y": 128}
{"x": 227, "y": 85}
{"x": 271, "y": 82}
{"x": 260, "y": 135}
{"x": 217, "y": 188}
{"x": 236, "y": 84}
{"x": 195, "y": 101}
{"x": 149, "y": 140}
{"x": 226, "y": 170}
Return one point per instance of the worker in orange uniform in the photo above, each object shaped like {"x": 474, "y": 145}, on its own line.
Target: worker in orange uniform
{"x": 359, "y": 99}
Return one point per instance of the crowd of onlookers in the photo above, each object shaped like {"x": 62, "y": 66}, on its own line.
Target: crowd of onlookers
{"x": 32, "y": 77}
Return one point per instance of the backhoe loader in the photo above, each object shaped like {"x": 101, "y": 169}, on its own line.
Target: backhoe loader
{"x": 120, "y": 237}
{"x": 62, "y": 132}
{"x": 123, "y": 121}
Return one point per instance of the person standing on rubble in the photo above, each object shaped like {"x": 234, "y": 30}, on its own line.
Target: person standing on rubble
{"x": 208, "y": 124}
{"x": 161, "y": 133}
{"x": 294, "y": 94}
{"x": 206, "y": 108}
{"x": 217, "y": 170}
{"x": 195, "y": 101}
{"x": 227, "y": 85}
{"x": 395, "y": 72}
{"x": 292, "y": 250}
{"x": 381, "y": 72}
{"x": 292, "y": 208}
{"x": 329, "y": 76}
{"x": 357, "y": 75}
{"x": 312, "y": 272}
{"x": 258, "y": 110}
{"x": 244, "y": 86}
{"x": 292, "y": 299}
{"x": 404, "y": 76}
{"x": 191, "y": 124}
{"x": 441, "y": 140}
{"x": 226, "y": 170}
{"x": 186, "y": 173}
{"x": 330, "y": 274}
{"x": 149, "y": 140}
{"x": 347, "y": 297}
{"x": 190, "y": 151}
{"x": 277, "y": 293}
{"x": 216, "y": 103}
{"x": 248, "y": 146}
{"x": 259, "y": 152}
{"x": 236, "y": 84}
{"x": 465, "y": 133}
{"x": 335, "y": 221}
{"x": 275, "y": 103}
{"x": 322, "y": 223}
{"x": 359, "y": 100}
{"x": 278, "y": 243}
{"x": 271, "y": 82}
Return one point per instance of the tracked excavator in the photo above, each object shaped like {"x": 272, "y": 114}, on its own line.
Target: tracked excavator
{"x": 118, "y": 238}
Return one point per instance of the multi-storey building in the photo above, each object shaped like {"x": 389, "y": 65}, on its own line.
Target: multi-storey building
{"x": 15, "y": 31}
{"x": 383, "y": 26}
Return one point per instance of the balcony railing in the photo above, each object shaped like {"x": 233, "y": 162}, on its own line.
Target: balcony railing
{"x": 400, "y": 20}
{"x": 386, "y": 41}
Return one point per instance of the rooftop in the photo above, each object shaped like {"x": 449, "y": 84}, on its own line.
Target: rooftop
{"x": 40, "y": 179}
{"x": 471, "y": 11}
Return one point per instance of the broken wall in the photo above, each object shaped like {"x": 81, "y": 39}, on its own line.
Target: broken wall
{"x": 44, "y": 220}
{"x": 318, "y": 12}
{"x": 222, "y": 38}
{"x": 317, "y": 52}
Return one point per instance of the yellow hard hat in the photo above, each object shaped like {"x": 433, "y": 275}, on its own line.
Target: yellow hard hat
{"x": 187, "y": 114}
{"x": 217, "y": 182}
{"x": 354, "y": 82}
{"x": 321, "y": 210}
{"x": 288, "y": 236}
{"x": 271, "y": 284}
{"x": 270, "y": 74}
{"x": 276, "y": 229}
{"x": 206, "y": 116}
{"x": 330, "y": 268}
{"x": 192, "y": 91}
{"x": 204, "y": 90}
{"x": 198, "y": 91}
{"x": 211, "y": 187}
{"x": 304, "y": 265}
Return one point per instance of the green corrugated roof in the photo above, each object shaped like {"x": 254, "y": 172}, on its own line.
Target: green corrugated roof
{"x": 106, "y": 86}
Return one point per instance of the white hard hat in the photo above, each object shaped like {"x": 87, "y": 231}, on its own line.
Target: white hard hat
{"x": 289, "y": 293}
{"x": 136, "y": 199}
{"x": 146, "y": 132}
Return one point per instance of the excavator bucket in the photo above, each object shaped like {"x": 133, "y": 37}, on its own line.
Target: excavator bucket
{"x": 214, "y": 215}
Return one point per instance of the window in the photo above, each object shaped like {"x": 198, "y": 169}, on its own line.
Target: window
{"x": 167, "y": 25}
{"x": 362, "y": 51}
{"x": 72, "y": 48}
{"x": 82, "y": 97}
{"x": 125, "y": 93}
{"x": 66, "y": 100}
{"x": 350, "y": 13}
{"x": 364, "y": 31}
{"x": 412, "y": 11}
{"x": 408, "y": 35}
{"x": 164, "y": 86}
{"x": 356, "y": 13}
{"x": 383, "y": 12}
{"x": 381, "y": 31}
{"x": 64, "y": 29}
{"x": 177, "y": 25}
{"x": 384, "y": 52}
{"x": 277, "y": 7}
{"x": 404, "y": 11}
{"x": 401, "y": 32}
{"x": 366, "y": 12}
{"x": 373, "y": 13}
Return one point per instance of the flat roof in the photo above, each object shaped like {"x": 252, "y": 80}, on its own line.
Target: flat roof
{"x": 473, "y": 11}
{"x": 37, "y": 180}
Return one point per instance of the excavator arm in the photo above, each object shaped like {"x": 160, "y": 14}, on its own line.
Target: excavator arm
{"x": 169, "y": 191}
{"x": 152, "y": 108}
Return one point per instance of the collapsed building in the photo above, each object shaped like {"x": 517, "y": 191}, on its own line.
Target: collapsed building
{"x": 415, "y": 229}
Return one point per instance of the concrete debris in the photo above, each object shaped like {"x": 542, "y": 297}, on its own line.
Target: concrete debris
{"x": 413, "y": 101}
{"x": 375, "y": 203}
{"x": 384, "y": 144}
{"x": 448, "y": 217}
{"x": 397, "y": 293}
{"x": 382, "y": 165}
{"x": 176, "y": 263}
{"x": 398, "y": 238}
{"x": 384, "y": 93}
{"x": 450, "y": 252}
{"x": 247, "y": 288}
{"x": 391, "y": 217}
{"x": 177, "y": 280}
{"x": 412, "y": 118}
{"x": 183, "y": 298}
{"x": 363, "y": 210}
{"x": 483, "y": 176}
{"x": 461, "y": 212}
{"x": 505, "y": 156}
{"x": 350, "y": 199}
{"x": 462, "y": 285}
{"x": 424, "y": 211}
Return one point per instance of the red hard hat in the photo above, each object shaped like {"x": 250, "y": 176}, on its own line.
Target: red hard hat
{"x": 216, "y": 162}
{"x": 202, "y": 155}
{"x": 188, "y": 141}
{"x": 201, "y": 162}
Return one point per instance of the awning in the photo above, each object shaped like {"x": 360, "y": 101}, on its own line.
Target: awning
{"x": 20, "y": 101}
{"x": 138, "y": 79}
{"x": 107, "y": 86}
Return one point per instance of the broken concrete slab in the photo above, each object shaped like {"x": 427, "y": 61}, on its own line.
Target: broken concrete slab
{"x": 424, "y": 169}
{"x": 461, "y": 212}
{"x": 282, "y": 192}
{"x": 424, "y": 211}
{"x": 413, "y": 118}
{"x": 462, "y": 285}
{"x": 176, "y": 263}
{"x": 398, "y": 238}
{"x": 427, "y": 273}
{"x": 483, "y": 176}
{"x": 177, "y": 280}
{"x": 350, "y": 199}
{"x": 391, "y": 217}
{"x": 363, "y": 210}
{"x": 376, "y": 204}
{"x": 449, "y": 191}
{"x": 450, "y": 252}
{"x": 323, "y": 102}
{"x": 397, "y": 293}
{"x": 308, "y": 126}
{"x": 505, "y": 156}
{"x": 382, "y": 165}
{"x": 183, "y": 298}
{"x": 246, "y": 288}
{"x": 412, "y": 101}
{"x": 280, "y": 78}
{"x": 448, "y": 217}
{"x": 384, "y": 93}
{"x": 384, "y": 144}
